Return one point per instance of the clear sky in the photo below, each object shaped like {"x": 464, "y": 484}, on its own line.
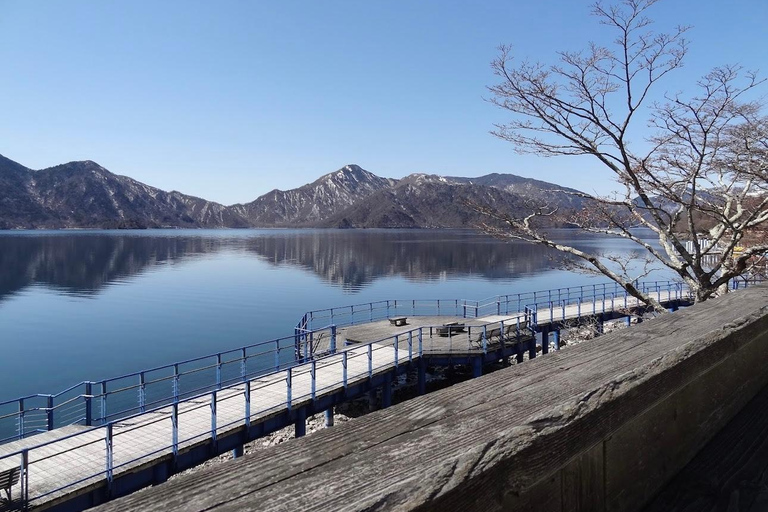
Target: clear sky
{"x": 229, "y": 99}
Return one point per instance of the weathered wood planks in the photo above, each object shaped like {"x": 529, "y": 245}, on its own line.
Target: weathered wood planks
{"x": 576, "y": 430}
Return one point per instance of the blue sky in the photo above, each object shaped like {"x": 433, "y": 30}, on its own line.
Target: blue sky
{"x": 230, "y": 99}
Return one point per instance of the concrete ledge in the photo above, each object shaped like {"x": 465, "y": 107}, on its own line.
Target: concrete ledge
{"x": 599, "y": 426}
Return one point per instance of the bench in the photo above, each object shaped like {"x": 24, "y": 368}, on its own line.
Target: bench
{"x": 8, "y": 479}
{"x": 398, "y": 321}
{"x": 494, "y": 334}
{"x": 450, "y": 328}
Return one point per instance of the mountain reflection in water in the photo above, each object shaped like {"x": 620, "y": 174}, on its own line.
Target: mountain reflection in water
{"x": 84, "y": 263}
{"x": 80, "y": 305}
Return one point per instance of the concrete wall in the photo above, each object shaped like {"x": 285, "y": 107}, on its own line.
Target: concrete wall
{"x": 599, "y": 426}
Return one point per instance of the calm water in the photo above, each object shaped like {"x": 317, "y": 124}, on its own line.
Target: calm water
{"x": 89, "y": 305}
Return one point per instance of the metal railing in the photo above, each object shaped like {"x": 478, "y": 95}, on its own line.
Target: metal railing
{"x": 171, "y": 407}
{"x": 499, "y": 305}
{"x": 93, "y": 454}
{"x": 98, "y": 402}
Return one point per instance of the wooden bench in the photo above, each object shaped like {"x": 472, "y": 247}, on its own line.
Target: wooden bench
{"x": 398, "y": 321}
{"x": 494, "y": 334}
{"x": 8, "y": 479}
{"x": 450, "y": 328}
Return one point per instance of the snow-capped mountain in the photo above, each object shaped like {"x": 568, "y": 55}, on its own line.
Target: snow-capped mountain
{"x": 86, "y": 195}
{"x": 316, "y": 201}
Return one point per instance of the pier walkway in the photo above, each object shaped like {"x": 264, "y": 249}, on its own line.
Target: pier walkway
{"x": 100, "y": 440}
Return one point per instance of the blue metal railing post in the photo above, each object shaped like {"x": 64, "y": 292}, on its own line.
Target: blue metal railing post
{"x": 88, "y": 404}
{"x": 421, "y": 341}
{"x": 103, "y": 401}
{"x": 213, "y": 419}
{"x": 288, "y": 388}
{"x": 218, "y": 371}
{"x": 333, "y": 339}
{"x": 313, "y": 378}
{"x": 176, "y": 383}
{"x": 142, "y": 393}
{"x": 109, "y": 440}
{"x": 277, "y": 355}
{"x": 21, "y": 418}
{"x": 25, "y": 477}
{"x": 297, "y": 341}
{"x": 410, "y": 346}
{"x": 344, "y": 369}
{"x": 397, "y": 346}
{"x": 370, "y": 360}
{"x": 244, "y": 366}
{"x": 247, "y": 396}
{"x": 175, "y": 429}
{"x": 485, "y": 339}
{"x": 50, "y": 412}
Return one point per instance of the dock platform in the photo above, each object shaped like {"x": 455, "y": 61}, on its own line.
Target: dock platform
{"x": 103, "y": 456}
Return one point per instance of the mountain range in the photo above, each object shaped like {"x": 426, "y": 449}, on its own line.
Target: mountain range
{"x": 84, "y": 194}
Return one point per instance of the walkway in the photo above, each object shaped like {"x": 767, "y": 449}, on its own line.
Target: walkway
{"x": 76, "y": 466}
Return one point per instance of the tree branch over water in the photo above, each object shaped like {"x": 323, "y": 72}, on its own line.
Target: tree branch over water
{"x": 700, "y": 174}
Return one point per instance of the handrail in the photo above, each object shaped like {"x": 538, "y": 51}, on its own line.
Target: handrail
{"x": 398, "y": 349}
{"x": 233, "y": 364}
{"x": 235, "y": 385}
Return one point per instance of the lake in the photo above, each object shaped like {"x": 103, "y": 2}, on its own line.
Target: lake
{"x": 87, "y": 305}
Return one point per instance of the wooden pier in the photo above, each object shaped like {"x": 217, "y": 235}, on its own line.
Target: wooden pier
{"x": 79, "y": 466}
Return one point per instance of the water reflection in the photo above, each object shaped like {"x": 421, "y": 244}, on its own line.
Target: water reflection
{"x": 84, "y": 263}
{"x": 352, "y": 259}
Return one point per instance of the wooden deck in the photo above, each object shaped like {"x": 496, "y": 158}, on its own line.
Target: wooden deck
{"x": 75, "y": 458}
{"x": 591, "y": 428}
{"x": 141, "y": 440}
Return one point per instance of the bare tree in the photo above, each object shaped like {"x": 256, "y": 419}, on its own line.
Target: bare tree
{"x": 703, "y": 171}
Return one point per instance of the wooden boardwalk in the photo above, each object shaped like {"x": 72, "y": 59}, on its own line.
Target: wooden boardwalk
{"x": 75, "y": 460}
{"x": 80, "y": 453}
